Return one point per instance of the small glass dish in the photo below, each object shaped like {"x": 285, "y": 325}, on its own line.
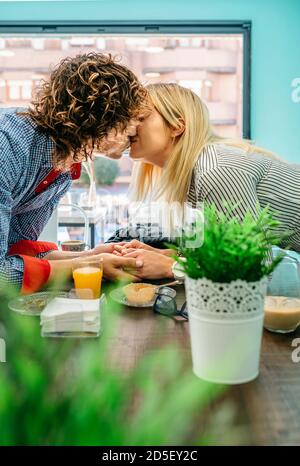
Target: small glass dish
{"x": 33, "y": 304}
{"x": 119, "y": 296}
{"x": 282, "y": 314}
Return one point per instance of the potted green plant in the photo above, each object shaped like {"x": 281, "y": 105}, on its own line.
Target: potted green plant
{"x": 226, "y": 280}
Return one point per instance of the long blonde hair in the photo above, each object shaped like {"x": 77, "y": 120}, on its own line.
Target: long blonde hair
{"x": 175, "y": 103}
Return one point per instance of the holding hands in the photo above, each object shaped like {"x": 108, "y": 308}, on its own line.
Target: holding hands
{"x": 132, "y": 260}
{"x": 153, "y": 263}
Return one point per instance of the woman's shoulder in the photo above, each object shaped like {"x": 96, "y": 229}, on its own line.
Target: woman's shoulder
{"x": 215, "y": 155}
{"x": 208, "y": 159}
{"x": 219, "y": 155}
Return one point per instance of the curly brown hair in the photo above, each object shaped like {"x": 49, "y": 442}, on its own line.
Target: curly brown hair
{"x": 85, "y": 97}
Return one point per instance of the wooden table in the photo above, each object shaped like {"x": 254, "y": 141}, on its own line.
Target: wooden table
{"x": 268, "y": 409}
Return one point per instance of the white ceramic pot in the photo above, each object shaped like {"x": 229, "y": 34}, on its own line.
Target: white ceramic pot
{"x": 226, "y": 323}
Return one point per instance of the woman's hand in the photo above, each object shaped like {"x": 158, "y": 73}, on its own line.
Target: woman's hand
{"x": 153, "y": 265}
{"x": 124, "y": 248}
{"x": 106, "y": 248}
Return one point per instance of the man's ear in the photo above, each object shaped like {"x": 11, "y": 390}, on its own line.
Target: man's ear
{"x": 180, "y": 129}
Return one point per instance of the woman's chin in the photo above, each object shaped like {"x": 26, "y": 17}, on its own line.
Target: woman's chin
{"x": 134, "y": 154}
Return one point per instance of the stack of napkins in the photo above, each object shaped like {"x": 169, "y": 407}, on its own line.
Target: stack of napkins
{"x": 72, "y": 317}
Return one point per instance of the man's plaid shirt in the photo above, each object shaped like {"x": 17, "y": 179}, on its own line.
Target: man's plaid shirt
{"x": 25, "y": 164}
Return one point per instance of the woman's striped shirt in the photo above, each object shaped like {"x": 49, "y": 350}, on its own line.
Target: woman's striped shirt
{"x": 225, "y": 173}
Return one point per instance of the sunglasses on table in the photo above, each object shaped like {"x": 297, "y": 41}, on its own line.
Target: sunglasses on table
{"x": 165, "y": 304}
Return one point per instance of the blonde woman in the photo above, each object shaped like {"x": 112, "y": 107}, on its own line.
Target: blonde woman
{"x": 180, "y": 158}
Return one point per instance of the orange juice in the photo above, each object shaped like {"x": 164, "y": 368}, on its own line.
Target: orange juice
{"x": 88, "y": 278}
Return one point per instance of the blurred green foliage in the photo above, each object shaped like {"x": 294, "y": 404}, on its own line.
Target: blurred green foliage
{"x": 67, "y": 392}
{"x": 106, "y": 171}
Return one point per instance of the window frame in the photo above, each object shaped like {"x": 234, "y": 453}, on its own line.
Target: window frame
{"x": 15, "y": 28}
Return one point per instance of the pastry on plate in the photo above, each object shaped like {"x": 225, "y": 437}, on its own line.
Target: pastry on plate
{"x": 139, "y": 293}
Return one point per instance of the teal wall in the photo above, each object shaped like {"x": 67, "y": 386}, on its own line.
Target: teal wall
{"x": 275, "y": 119}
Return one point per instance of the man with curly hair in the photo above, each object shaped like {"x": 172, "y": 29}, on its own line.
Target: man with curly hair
{"x": 89, "y": 102}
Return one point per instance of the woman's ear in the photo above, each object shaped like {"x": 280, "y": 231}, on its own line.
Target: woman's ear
{"x": 180, "y": 129}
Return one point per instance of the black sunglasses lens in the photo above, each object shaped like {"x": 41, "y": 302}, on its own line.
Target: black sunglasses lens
{"x": 184, "y": 314}
{"x": 165, "y": 305}
{"x": 183, "y": 310}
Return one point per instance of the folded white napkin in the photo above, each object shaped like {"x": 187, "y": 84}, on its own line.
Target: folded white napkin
{"x": 67, "y": 315}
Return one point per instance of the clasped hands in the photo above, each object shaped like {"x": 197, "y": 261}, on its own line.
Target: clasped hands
{"x": 150, "y": 263}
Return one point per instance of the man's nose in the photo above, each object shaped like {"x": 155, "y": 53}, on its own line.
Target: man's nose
{"x": 132, "y": 128}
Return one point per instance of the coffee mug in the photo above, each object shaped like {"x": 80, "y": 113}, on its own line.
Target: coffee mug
{"x": 75, "y": 245}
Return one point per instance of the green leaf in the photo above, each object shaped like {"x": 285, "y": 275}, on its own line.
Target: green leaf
{"x": 232, "y": 248}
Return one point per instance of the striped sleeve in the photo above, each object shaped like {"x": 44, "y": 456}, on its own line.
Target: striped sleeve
{"x": 224, "y": 184}
{"x": 235, "y": 186}
{"x": 225, "y": 173}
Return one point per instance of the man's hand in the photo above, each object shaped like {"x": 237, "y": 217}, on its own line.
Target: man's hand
{"x": 154, "y": 265}
{"x": 114, "y": 267}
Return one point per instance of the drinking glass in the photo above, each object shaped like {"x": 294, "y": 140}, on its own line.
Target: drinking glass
{"x": 87, "y": 275}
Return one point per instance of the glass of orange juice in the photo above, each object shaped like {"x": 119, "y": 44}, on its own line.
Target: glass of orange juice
{"x": 87, "y": 275}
